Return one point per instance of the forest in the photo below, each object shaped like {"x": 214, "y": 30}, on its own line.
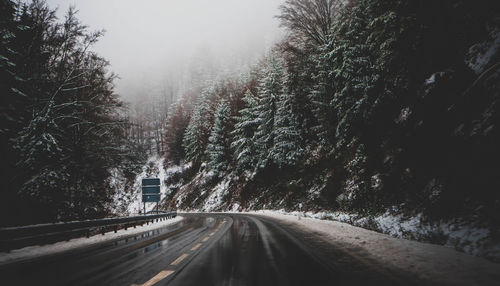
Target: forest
{"x": 364, "y": 107}
{"x": 62, "y": 125}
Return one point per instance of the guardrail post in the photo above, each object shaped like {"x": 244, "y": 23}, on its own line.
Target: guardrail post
{"x": 49, "y": 233}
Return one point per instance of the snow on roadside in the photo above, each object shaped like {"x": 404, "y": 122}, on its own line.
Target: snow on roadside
{"x": 215, "y": 200}
{"x": 456, "y": 234}
{"x": 118, "y": 183}
{"x": 435, "y": 263}
{"x": 128, "y": 202}
{"x": 37, "y": 251}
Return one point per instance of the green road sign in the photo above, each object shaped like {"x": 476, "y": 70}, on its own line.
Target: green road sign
{"x": 150, "y": 198}
{"x": 151, "y": 190}
{"x": 151, "y": 182}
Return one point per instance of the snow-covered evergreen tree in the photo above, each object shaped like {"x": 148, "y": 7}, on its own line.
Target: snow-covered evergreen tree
{"x": 322, "y": 94}
{"x": 357, "y": 76}
{"x": 218, "y": 150}
{"x": 69, "y": 126}
{"x": 12, "y": 100}
{"x": 245, "y": 127}
{"x": 193, "y": 141}
{"x": 270, "y": 87}
{"x": 196, "y": 136}
{"x": 287, "y": 148}
{"x": 42, "y": 156}
{"x": 177, "y": 122}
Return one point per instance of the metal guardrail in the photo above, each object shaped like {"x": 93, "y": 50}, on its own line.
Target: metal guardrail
{"x": 16, "y": 237}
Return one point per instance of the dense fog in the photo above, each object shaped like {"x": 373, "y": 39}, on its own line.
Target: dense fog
{"x": 154, "y": 45}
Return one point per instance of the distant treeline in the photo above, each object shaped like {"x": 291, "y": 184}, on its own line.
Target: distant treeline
{"x": 370, "y": 104}
{"x": 62, "y": 127}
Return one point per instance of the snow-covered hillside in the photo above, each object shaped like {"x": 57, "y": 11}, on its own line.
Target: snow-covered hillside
{"x": 204, "y": 193}
{"x": 128, "y": 198}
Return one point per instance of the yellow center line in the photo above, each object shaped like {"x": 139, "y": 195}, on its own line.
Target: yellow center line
{"x": 196, "y": 247}
{"x": 178, "y": 260}
{"x": 205, "y": 239}
{"x": 160, "y": 276}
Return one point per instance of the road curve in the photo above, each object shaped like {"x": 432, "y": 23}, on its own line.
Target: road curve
{"x": 205, "y": 249}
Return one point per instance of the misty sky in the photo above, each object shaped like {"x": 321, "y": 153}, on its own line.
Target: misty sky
{"x": 147, "y": 41}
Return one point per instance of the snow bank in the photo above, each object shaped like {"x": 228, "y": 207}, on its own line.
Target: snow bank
{"x": 456, "y": 234}
{"x": 31, "y": 252}
{"x": 437, "y": 264}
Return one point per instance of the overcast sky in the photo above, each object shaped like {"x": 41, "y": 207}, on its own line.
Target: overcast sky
{"x": 147, "y": 39}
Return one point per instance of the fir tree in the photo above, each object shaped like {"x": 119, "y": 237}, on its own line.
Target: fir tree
{"x": 218, "y": 150}
{"x": 287, "y": 148}
{"x": 70, "y": 125}
{"x": 198, "y": 131}
{"x": 245, "y": 127}
{"x": 321, "y": 96}
{"x": 270, "y": 87}
{"x": 177, "y": 123}
{"x": 12, "y": 100}
{"x": 41, "y": 147}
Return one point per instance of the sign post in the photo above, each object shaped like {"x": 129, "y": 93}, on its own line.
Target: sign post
{"x": 150, "y": 191}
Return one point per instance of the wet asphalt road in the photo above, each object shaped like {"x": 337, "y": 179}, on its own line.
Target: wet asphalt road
{"x": 206, "y": 249}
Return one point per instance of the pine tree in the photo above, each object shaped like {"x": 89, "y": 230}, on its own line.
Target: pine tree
{"x": 73, "y": 131}
{"x": 270, "y": 87}
{"x": 198, "y": 131}
{"x": 177, "y": 123}
{"x": 245, "y": 127}
{"x": 322, "y": 94}
{"x": 41, "y": 147}
{"x": 218, "y": 150}
{"x": 12, "y": 102}
{"x": 10, "y": 80}
{"x": 287, "y": 148}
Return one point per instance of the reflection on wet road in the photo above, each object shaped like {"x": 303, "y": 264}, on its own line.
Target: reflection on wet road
{"x": 203, "y": 249}
{"x": 251, "y": 253}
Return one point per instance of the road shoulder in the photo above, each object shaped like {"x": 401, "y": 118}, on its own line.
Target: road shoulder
{"x": 38, "y": 251}
{"x": 435, "y": 264}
